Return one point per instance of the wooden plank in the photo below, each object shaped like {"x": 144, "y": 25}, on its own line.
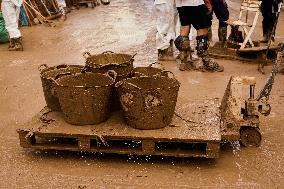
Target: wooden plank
{"x": 25, "y": 140}
{"x": 212, "y": 150}
{"x": 84, "y": 143}
{"x": 258, "y": 49}
{"x": 148, "y": 146}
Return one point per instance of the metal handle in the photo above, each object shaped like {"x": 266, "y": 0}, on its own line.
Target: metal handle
{"x": 42, "y": 67}
{"x": 86, "y": 54}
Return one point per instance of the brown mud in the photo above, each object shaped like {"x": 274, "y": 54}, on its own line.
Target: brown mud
{"x": 129, "y": 27}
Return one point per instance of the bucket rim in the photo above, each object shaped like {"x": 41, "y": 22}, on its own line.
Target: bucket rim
{"x": 177, "y": 83}
{"x": 106, "y": 75}
{"x": 88, "y": 55}
{"x": 54, "y": 68}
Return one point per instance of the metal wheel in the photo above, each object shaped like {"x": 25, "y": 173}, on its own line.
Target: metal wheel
{"x": 250, "y": 136}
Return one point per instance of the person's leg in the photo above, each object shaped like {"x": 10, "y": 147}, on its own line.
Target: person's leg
{"x": 221, "y": 11}
{"x": 62, "y": 8}
{"x": 269, "y": 19}
{"x": 182, "y": 42}
{"x": 165, "y": 30}
{"x": 11, "y": 15}
{"x": 201, "y": 25}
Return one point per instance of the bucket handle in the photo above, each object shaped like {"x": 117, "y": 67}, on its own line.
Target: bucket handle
{"x": 86, "y": 54}
{"x": 112, "y": 74}
{"x": 53, "y": 89}
{"x": 42, "y": 67}
{"x": 86, "y": 68}
{"x": 60, "y": 75}
{"x": 133, "y": 56}
{"x": 61, "y": 66}
{"x": 151, "y": 65}
{"x": 108, "y": 52}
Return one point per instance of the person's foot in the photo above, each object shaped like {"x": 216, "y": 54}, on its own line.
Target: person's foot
{"x": 264, "y": 39}
{"x": 105, "y": 2}
{"x": 17, "y": 45}
{"x": 12, "y": 43}
{"x": 212, "y": 66}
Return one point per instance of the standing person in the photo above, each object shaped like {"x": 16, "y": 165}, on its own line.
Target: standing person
{"x": 196, "y": 13}
{"x": 166, "y": 28}
{"x": 62, "y": 9}
{"x": 11, "y": 10}
{"x": 220, "y": 9}
{"x": 268, "y": 10}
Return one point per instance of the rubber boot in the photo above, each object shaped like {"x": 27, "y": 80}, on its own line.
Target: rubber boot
{"x": 222, "y": 35}
{"x": 265, "y": 34}
{"x": 171, "y": 48}
{"x": 18, "y": 45}
{"x": 12, "y": 44}
{"x": 202, "y": 52}
{"x": 166, "y": 54}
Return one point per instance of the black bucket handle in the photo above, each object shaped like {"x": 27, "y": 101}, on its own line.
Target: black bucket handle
{"x": 42, "y": 67}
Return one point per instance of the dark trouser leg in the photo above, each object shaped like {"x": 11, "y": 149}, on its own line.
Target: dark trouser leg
{"x": 221, "y": 11}
{"x": 269, "y": 18}
{"x": 222, "y": 32}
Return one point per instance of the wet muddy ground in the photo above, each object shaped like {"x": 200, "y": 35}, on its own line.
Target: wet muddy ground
{"x": 126, "y": 26}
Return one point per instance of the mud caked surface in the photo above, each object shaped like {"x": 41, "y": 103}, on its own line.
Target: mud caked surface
{"x": 128, "y": 27}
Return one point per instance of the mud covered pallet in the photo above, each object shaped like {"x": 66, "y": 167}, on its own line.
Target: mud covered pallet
{"x": 195, "y": 132}
{"x": 251, "y": 54}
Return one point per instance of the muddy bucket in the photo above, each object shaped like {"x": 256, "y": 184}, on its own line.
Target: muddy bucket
{"x": 122, "y": 64}
{"x": 149, "y": 70}
{"x": 48, "y": 75}
{"x": 84, "y": 97}
{"x": 148, "y": 102}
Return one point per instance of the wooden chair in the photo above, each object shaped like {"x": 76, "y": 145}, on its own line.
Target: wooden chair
{"x": 247, "y": 6}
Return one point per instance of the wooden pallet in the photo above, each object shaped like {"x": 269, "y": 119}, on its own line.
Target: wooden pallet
{"x": 196, "y": 137}
{"x": 241, "y": 54}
